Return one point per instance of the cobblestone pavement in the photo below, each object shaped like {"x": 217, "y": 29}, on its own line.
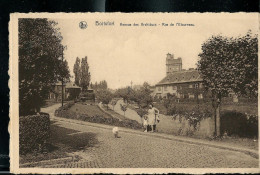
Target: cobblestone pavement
{"x": 145, "y": 151}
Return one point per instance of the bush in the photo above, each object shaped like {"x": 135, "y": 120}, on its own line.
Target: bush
{"x": 34, "y": 130}
{"x": 235, "y": 123}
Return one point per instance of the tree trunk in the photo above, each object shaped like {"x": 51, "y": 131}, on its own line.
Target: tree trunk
{"x": 217, "y": 120}
{"x": 216, "y": 105}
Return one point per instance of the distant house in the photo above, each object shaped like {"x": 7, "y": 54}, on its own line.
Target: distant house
{"x": 70, "y": 91}
{"x": 182, "y": 84}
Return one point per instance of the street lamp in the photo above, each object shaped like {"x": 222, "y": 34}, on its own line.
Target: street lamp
{"x": 62, "y": 81}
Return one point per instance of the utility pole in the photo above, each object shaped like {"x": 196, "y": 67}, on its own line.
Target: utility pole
{"x": 131, "y": 84}
{"x": 62, "y": 88}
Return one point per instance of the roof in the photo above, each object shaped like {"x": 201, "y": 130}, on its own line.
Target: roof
{"x": 71, "y": 86}
{"x": 181, "y": 77}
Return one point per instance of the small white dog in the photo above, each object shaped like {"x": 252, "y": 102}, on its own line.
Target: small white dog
{"x": 115, "y": 131}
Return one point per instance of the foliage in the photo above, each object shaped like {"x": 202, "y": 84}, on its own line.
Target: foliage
{"x": 141, "y": 112}
{"x": 113, "y": 103}
{"x": 141, "y": 96}
{"x": 104, "y": 96}
{"x": 229, "y": 65}
{"x": 40, "y": 63}
{"x": 34, "y": 130}
{"x": 102, "y": 85}
{"x": 123, "y": 93}
{"x": 235, "y": 123}
{"x": 123, "y": 107}
{"x": 85, "y": 74}
{"x": 77, "y": 71}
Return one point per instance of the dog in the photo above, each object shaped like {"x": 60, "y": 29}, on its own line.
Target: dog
{"x": 115, "y": 131}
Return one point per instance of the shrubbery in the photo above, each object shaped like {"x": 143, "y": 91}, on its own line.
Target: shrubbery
{"x": 34, "y": 131}
{"x": 235, "y": 123}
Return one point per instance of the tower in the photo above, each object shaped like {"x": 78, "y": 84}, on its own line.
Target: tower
{"x": 173, "y": 65}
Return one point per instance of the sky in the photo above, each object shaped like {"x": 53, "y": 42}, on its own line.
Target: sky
{"x": 121, "y": 54}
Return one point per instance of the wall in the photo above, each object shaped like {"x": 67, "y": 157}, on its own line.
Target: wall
{"x": 181, "y": 127}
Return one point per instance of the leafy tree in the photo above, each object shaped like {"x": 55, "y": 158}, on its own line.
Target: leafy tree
{"x": 104, "y": 96}
{"x": 141, "y": 112}
{"x": 77, "y": 71}
{"x": 229, "y": 65}
{"x": 123, "y": 108}
{"x": 113, "y": 103}
{"x": 123, "y": 93}
{"x": 85, "y": 74}
{"x": 40, "y": 63}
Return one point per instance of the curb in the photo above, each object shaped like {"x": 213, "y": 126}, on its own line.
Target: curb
{"x": 250, "y": 152}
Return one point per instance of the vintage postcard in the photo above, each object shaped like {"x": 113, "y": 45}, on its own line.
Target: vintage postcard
{"x": 134, "y": 93}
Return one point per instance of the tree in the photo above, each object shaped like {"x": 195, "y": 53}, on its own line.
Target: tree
{"x": 40, "y": 63}
{"x": 113, "y": 103}
{"x": 123, "y": 108}
{"x": 123, "y": 93}
{"x": 77, "y": 71}
{"x": 104, "y": 96}
{"x": 85, "y": 74}
{"x": 228, "y": 65}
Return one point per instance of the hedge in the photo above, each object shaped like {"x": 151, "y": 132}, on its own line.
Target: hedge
{"x": 34, "y": 131}
{"x": 233, "y": 123}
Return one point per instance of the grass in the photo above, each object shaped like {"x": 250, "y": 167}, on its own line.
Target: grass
{"x": 91, "y": 110}
{"x": 92, "y": 113}
{"x": 60, "y": 144}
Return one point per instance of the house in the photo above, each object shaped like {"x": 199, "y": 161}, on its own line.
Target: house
{"x": 182, "y": 84}
{"x": 70, "y": 91}
{"x": 179, "y": 82}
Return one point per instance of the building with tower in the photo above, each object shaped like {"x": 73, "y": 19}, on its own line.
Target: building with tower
{"x": 172, "y": 64}
{"x": 179, "y": 82}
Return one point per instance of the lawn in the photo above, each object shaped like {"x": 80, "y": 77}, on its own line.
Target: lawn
{"x": 93, "y": 113}
{"x": 90, "y": 110}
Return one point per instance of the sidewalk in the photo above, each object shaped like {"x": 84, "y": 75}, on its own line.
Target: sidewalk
{"x": 188, "y": 140}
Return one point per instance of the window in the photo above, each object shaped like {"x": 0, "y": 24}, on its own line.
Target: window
{"x": 196, "y": 85}
{"x": 165, "y": 88}
{"x": 159, "y": 88}
{"x": 201, "y": 85}
{"x": 190, "y": 86}
{"x": 174, "y": 88}
{"x": 191, "y": 95}
{"x": 200, "y": 96}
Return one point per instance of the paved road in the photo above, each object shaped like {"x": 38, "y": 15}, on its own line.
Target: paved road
{"x": 139, "y": 151}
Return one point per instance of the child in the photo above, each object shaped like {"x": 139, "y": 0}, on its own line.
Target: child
{"x": 115, "y": 132}
{"x": 145, "y": 123}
